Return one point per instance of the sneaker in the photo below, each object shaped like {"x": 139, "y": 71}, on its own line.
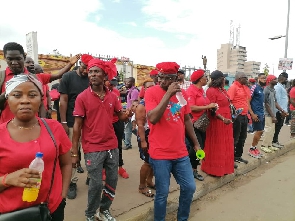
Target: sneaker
{"x": 258, "y": 153}
{"x": 253, "y": 153}
{"x": 265, "y": 149}
{"x": 122, "y": 172}
{"x": 105, "y": 216}
{"x": 236, "y": 166}
{"x": 273, "y": 148}
{"x": 198, "y": 176}
{"x": 241, "y": 160}
{"x": 280, "y": 145}
{"x": 72, "y": 192}
{"x": 80, "y": 169}
{"x": 92, "y": 218}
{"x": 127, "y": 147}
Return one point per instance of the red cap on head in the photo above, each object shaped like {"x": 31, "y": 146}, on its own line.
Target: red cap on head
{"x": 85, "y": 58}
{"x": 196, "y": 75}
{"x": 252, "y": 80}
{"x": 109, "y": 67}
{"x": 153, "y": 72}
{"x": 270, "y": 78}
{"x": 167, "y": 67}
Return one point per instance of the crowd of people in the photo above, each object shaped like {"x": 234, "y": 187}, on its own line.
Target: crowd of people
{"x": 201, "y": 113}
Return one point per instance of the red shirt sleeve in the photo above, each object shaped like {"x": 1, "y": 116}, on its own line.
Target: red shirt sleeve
{"x": 191, "y": 97}
{"x": 292, "y": 93}
{"x": 79, "y": 110}
{"x": 44, "y": 78}
{"x": 141, "y": 93}
{"x": 150, "y": 101}
{"x": 212, "y": 96}
{"x": 231, "y": 91}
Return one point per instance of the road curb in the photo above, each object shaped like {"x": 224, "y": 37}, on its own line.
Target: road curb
{"x": 145, "y": 212}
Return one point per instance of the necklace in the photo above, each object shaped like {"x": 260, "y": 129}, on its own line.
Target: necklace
{"x": 24, "y": 128}
{"x": 101, "y": 96}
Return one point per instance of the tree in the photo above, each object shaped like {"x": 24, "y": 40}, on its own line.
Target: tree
{"x": 266, "y": 69}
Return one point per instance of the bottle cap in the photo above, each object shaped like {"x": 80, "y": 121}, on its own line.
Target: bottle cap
{"x": 39, "y": 154}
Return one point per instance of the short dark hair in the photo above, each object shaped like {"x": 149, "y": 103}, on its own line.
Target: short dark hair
{"x": 76, "y": 68}
{"x": 261, "y": 74}
{"x": 13, "y": 46}
{"x": 132, "y": 79}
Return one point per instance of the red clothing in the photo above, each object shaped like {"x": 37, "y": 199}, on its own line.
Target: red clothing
{"x": 15, "y": 156}
{"x": 239, "y": 95}
{"x": 166, "y": 137}
{"x": 6, "y": 114}
{"x": 219, "y": 144}
{"x": 292, "y": 95}
{"x": 117, "y": 93}
{"x": 97, "y": 130}
{"x": 197, "y": 97}
{"x": 141, "y": 92}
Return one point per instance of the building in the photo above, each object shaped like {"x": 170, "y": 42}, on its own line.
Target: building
{"x": 233, "y": 59}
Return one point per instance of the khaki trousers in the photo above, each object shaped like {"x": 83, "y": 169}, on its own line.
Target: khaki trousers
{"x": 269, "y": 131}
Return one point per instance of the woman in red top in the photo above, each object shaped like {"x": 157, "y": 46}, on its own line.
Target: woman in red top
{"x": 219, "y": 144}
{"x": 199, "y": 103}
{"x": 21, "y": 138}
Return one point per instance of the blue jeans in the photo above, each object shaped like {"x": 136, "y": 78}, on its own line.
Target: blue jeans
{"x": 182, "y": 171}
{"x": 128, "y": 133}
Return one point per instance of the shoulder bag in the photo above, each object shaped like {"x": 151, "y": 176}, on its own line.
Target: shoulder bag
{"x": 203, "y": 122}
{"x": 232, "y": 108}
{"x": 41, "y": 211}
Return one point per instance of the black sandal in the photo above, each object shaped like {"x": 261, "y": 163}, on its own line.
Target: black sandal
{"x": 147, "y": 193}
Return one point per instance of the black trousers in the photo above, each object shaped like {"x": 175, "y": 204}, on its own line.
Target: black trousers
{"x": 240, "y": 134}
{"x": 278, "y": 127}
{"x": 59, "y": 213}
{"x": 119, "y": 131}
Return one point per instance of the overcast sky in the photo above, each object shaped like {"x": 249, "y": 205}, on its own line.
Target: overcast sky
{"x": 151, "y": 31}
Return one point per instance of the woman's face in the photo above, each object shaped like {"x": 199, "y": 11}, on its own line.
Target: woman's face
{"x": 204, "y": 80}
{"x": 24, "y": 101}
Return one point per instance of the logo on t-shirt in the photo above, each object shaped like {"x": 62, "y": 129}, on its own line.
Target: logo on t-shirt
{"x": 174, "y": 111}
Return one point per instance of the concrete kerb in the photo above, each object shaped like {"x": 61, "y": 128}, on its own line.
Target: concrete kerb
{"x": 145, "y": 212}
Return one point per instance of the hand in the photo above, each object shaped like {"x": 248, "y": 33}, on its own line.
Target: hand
{"x": 197, "y": 147}
{"x": 173, "y": 89}
{"x": 129, "y": 112}
{"x": 284, "y": 114}
{"x": 227, "y": 121}
{"x": 23, "y": 178}
{"x": 144, "y": 145}
{"x": 74, "y": 59}
{"x": 274, "y": 120}
{"x": 66, "y": 128}
{"x": 255, "y": 117}
{"x": 212, "y": 105}
{"x": 75, "y": 161}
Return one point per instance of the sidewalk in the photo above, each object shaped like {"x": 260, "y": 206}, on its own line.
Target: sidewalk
{"x": 129, "y": 205}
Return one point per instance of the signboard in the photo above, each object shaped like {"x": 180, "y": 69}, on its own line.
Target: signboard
{"x": 285, "y": 63}
{"x": 32, "y": 46}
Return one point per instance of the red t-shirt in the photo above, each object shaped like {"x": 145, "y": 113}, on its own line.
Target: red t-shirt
{"x": 166, "y": 138}
{"x": 239, "y": 95}
{"x": 15, "y": 156}
{"x": 197, "y": 97}
{"x": 141, "y": 92}
{"x": 6, "y": 114}
{"x": 97, "y": 130}
{"x": 117, "y": 93}
{"x": 292, "y": 95}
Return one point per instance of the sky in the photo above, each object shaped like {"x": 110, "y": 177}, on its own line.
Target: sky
{"x": 152, "y": 31}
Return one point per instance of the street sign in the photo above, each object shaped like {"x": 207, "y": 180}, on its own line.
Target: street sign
{"x": 285, "y": 64}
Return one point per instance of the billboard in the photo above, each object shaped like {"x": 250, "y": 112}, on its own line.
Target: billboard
{"x": 285, "y": 64}
{"x": 32, "y": 46}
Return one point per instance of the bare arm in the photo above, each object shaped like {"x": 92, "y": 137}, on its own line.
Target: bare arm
{"x": 76, "y": 135}
{"x": 65, "y": 162}
{"x": 196, "y": 108}
{"x": 269, "y": 111}
{"x": 124, "y": 115}
{"x": 140, "y": 117}
{"x": 63, "y": 106}
{"x": 190, "y": 131}
{"x": 48, "y": 100}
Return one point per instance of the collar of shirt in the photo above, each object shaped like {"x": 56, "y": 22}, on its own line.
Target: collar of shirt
{"x": 104, "y": 88}
{"x": 9, "y": 72}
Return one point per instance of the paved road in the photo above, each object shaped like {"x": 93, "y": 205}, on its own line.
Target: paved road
{"x": 265, "y": 197}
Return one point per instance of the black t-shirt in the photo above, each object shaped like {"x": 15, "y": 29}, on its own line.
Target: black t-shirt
{"x": 72, "y": 85}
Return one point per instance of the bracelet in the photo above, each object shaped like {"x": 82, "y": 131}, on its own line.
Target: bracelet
{"x": 3, "y": 180}
{"x": 64, "y": 122}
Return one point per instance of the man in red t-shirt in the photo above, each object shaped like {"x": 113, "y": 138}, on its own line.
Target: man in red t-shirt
{"x": 15, "y": 57}
{"x": 94, "y": 110}
{"x": 169, "y": 120}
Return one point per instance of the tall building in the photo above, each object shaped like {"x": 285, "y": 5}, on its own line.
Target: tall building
{"x": 233, "y": 59}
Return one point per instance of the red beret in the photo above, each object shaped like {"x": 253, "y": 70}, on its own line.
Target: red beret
{"x": 252, "y": 80}
{"x": 167, "y": 67}
{"x": 270, "y": 78}
{"x": 109, "y": 67}
{"x": 85, "y": 58}
{"x": 196, "y": 75}
{"x": 153, "y": 72}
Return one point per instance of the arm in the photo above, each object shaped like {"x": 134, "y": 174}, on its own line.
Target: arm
{"x": 190, "y": 131}
{"x": 2, "y": 100}
{"x": 48, "y": 100}
{"x": 292, "y": 101}
{"x": 65, "y": 163}
{"x": 124, "y": 115}
{"x": 140, "y": 117}
{"x": 76, "y": 136}
{"x": 195, "y": 108}
{"x": 63, "y": 106}
{"x": 60, "y": 73}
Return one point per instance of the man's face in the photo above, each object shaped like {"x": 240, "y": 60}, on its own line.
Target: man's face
{"x": 15, "y": 61}
{"x": 96, "y": 76}
{"x": 129, "y": 83}
{"x": 155, "y": 78}
{"x": 243, "y": 79}
{"x": 180, "y": 76}
{"x": 274, "y": 81}
{"x": 148, "y": 85}
{"x": 284, "y": 80}
{"x": 166, "y": 79}
{"x": 262, "y": 80}
{"x": 29, "y": 64}
{"x": 83, "y": 69}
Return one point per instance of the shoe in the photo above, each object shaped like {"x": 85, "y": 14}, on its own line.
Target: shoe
{"x": 104, "y": 175}
{"x": 273, "y": 148}
{"x": 265, "y": 149}
{"x": 105, "y": 216}
{"x": 72, "y": 192}
{"x": 258, "y": 153}
{"x": 92, "y": 218}
{"x": 80, "y": 169}
{"x": 127, "y": 147}
{"x": 278, "y": 145}
{"x": 87, "y": 181}
{"x": 122, "y": 172}
{"x": 236, "y": 166}
{"x": 198, "y": 176}
{"x": 253, "y": 153}
{"x": 241, "y": 160}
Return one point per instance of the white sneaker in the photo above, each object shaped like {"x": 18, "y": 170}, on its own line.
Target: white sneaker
{"x": 105, "y": 216}
{"x": 273, "y": 148}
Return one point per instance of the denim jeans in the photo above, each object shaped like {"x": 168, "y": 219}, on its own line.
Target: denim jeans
{"x": 183, "y": 174}
{"x": 128, "y": 133}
